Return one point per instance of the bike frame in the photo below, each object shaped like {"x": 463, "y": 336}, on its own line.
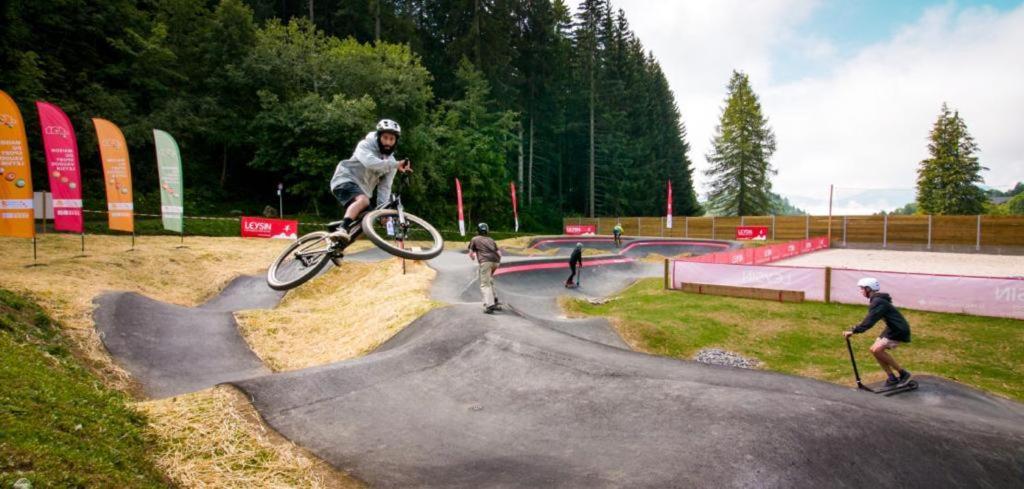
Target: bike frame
{"x": 401, "y": 227}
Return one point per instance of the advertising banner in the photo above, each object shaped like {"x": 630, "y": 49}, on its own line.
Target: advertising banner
{"x": 62, "y": 167}
{"x": 168, "y": 165}
{"x": 117, "y": 175}
{"x": 668, "y": 215}
{"x": 809, "y": 280}
{"x": 576, "y": 229}
{"x": 458, "y": 195}
{"x": 17, "y": 217}
{"x": 515, "y": 208}
{"x": 981, "y": 296}
{"x": 259, "y": 227}
{"x": 752, "y": 232}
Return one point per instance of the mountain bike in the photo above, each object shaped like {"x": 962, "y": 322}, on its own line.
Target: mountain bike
{"x": 388, "y": 226}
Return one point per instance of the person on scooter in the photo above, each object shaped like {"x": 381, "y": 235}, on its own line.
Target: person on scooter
{"x": 484, "y": 250}
{"x": 896, "y": 332}
{"x": 617, "y": 232}
{"x": 372, "y": 166}
{"x": 576, "y": 259}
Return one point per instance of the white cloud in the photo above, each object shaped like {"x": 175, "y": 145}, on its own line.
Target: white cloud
{"x": 860, "y": 121}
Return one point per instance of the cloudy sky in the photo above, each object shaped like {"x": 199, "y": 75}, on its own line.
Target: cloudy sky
{"x": 851, "y": 88}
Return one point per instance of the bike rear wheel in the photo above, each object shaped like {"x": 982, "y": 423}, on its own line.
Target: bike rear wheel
{"x": 410, "y": 237}
{"x": 301, "y": 261}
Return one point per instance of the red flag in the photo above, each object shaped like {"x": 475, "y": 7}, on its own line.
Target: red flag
{"x": 515, "y": 209}
{"x": 668, "y": 218}
{"x": 458, "y": 194}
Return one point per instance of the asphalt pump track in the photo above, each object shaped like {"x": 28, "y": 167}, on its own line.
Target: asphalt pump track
{"x": 526, "y": 398}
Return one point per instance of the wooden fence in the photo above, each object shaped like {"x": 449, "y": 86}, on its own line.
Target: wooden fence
{"x": 961, "y": 233}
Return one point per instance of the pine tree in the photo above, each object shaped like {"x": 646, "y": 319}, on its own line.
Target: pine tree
{"x": 946, "y": 181}
{"x": 742, "y": 148}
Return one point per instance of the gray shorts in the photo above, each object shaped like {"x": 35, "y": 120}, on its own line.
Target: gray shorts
{"x": 347, "y": 192}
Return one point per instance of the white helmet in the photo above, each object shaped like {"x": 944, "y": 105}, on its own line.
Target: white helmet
{"x": 388, "y": 125}
{"x": 870, "y": 283}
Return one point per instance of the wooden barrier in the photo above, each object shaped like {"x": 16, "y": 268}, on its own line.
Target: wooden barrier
{"x": 745, "y": 292}
{"x": 925, "y": 232}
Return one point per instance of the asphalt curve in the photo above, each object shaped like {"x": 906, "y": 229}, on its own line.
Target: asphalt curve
{"x": 525, "y": 398}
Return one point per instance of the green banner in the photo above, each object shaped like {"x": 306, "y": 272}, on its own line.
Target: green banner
{"x": 168, "y": 163}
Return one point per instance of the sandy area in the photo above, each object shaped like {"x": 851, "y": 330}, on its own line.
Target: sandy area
{"x": 914, "y": 262}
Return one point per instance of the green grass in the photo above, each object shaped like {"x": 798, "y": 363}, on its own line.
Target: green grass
{"x": 59, "y": 426}
{"x": 805, "y": 339}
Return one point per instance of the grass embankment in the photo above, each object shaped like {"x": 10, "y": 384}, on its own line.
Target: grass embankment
{"x": 59, "y": 426}
{"x": 201, "y": 439}
{"x": 805, "y": 339}
{"x": 345, "y": 313}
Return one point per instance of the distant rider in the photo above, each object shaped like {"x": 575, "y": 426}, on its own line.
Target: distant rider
{"x": 372, "y": 166}
{"x": 897, "y": 330}
{"x": 576, "y": 259}
{"x": 617, "y": 231}
{"x": 485, "y": 251}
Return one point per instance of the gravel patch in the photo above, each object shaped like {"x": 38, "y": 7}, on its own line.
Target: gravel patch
{"x": 716, "y": 356}
{"x": 913, "y": 262}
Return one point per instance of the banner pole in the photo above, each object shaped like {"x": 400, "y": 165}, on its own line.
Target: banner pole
{"x": 44, "y": 212}
{"x": 33, "y": 250}
{"x": 830, "y": 189}
{"x": 133, "y": 240}
{"x": 83, "y": 243}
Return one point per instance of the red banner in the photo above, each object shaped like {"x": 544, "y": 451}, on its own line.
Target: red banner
{"x": 668, "y": 215}
{"x": 458, "y": 195}
{"x": 260, "y": 227}
{"x": 763, "y": 254}
{"x": 752, "y": 232}
{"x": 577, "y": 229}
{"x": 515, "y": 208}
{"x": 62, "y": 167}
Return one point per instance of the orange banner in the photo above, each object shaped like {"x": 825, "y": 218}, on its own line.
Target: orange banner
{"x": 17, "y": 217}
{"x": 117, "y": 173}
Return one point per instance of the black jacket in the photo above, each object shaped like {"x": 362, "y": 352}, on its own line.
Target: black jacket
{"x": 576, "y": 258}
{"x": 881, "y": 308}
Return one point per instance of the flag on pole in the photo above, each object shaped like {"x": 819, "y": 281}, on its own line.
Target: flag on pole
{"x": 17, "y": 212}
{"x": 168, "y": 165}
{"x": 458, "y": 194}
{"x": 117, "y": 172}
{"x": 515, "y": 207}
{"x": 62, "y": 167}
{"x": 668, "y": 216}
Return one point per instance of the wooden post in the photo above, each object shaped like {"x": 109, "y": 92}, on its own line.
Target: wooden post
{"x": 929, "y": 231}
{"x": 686, "y": 226}
{"x": 712, "y": 227}
{"x": 830, "y": 189}
{"x": 844, "y": 231}
{"x": 828, "y": 285}
{"x": 977, "y": 244}
{"x": 773, "y": 227}
{"x": 885, "y": 231}
{"x": 667, "y": 285}
{"x": 638, "y": 226}
{"x": 807, "y": 226}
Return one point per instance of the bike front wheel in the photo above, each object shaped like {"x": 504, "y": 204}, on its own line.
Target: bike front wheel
{"x": 402, "y": 234}
{"x": 301, "y": 261}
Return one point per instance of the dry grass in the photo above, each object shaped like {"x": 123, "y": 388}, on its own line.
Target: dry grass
{"x": 214, "y": 438}
{"x": 64, "y": 283}
{"x": 342, "y": 314}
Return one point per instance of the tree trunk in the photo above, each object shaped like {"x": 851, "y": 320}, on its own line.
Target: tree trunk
{"x": 376, "y": 26}
{"x": 519, "y": 179}
{"x": 311, "y": 21}
{"x": 224, "y": 168}
{"x": 529, "y": 173}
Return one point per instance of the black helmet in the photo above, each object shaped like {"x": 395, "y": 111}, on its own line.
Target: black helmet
{"x": 482, "y": 228}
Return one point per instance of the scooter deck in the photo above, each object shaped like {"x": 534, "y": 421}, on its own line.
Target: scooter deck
{"x": 880, "y": 388}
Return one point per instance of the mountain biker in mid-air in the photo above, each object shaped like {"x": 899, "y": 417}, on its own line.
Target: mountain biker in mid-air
{"x": 372, "y": 166}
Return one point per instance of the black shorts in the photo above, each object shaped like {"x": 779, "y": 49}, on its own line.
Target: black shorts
{"x": 347, "y": 192}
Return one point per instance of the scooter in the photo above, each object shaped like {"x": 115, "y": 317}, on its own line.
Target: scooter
{"x": 576, "y": 285}
{"x": 885, "y": 391}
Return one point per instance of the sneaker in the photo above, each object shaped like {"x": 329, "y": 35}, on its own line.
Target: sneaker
{"x": 891, "y": 381}
{"x": 489, "y": 310}
{"x": 339, "y": 236}
{"x": 904, "y": 376}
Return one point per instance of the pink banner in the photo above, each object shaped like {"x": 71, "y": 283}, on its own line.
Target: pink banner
{"x": 981, "y": 296}
{"x": 62, "y": 167}
{"x": 458, "y": 195}
{"x": 576, "y": 229}
{"x": 809, "y": 280}
{"x": 259, "y": 227}
{"x": 752, "y": 232}
{"x": 763, "y": 254}
{"x": 668, "y": 207}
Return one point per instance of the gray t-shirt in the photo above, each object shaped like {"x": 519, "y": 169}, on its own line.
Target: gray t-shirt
{"x": 485, "y": 248}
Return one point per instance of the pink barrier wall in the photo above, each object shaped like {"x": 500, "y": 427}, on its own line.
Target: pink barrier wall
{"x": 763, "y": 254}
{"x": 809, "y": 280}
{"x": 981, "y": 296}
